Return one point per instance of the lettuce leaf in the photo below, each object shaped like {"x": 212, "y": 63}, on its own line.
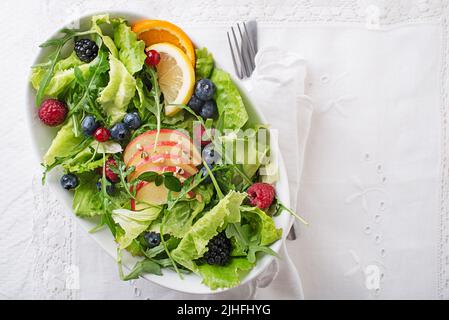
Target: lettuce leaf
{"x": 86, "y": 201}
{"x": 133, "y": 223}
{"x": 225, "y": 276}
{"x": 131, "y": 50}
{"x": 90, "y": 158}
{"x": 64, "y": 74}
{"x": 229, "y": 101}
{"x": 63, "y": 144}
{"x": 263, "y": 224}
{"x": 116, "y": 96}
{"x": 193, "y": 245}
{"x": 204, "y": 63}
{"x": 107, "y": 41}
{"x": 179, "y": 219}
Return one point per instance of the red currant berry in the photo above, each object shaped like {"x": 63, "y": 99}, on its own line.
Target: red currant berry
{"x": 153, "y": 58}
{"x": 102, "y": 134}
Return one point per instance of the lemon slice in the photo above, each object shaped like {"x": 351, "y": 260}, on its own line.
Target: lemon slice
{"x": 175, "y": 74}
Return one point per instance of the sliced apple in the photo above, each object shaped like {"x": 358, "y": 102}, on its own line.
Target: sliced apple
{"x": 178, "y": 172}
{"x": 148, "y": 193}
{"x": 146, "y": 142}
{"x": 167, "y": 150}
{"x": 168, "y": 162}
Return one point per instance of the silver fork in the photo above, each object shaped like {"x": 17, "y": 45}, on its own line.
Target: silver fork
{"x": 242, "y": 41}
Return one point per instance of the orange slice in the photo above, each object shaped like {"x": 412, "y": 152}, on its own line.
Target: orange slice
{"x": 157, "y": 31}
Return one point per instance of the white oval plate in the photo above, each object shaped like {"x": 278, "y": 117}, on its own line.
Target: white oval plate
{"x": 42, "y": 137}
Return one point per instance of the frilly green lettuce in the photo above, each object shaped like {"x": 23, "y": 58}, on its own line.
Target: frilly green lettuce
{"x": 204, "y": 63}
{"x": 263, "y": 225}
{"x": 194, "y": 243}
{"x": 229, "y": 101}
{"x": 133, "y": 223}
{"x": 116, "y": 96}
{"x": 63, "y": 144}
{"x": 131, "y": 50}
{"x": 226, "y": 276}
{"x": 64, "y": 74}
{"x": 179, "y": 220}
{"x": 86, "y": 201}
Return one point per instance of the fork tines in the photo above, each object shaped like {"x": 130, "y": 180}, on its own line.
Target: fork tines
{"x": 243, "y": 47}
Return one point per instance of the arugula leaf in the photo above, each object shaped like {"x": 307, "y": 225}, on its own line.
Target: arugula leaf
{"x": 142, "y": 267}
{"x": 280, "y": 207}
{"x": 89, "y": 87}
{"x": 53, "y": 59}
{"x": 144, "y": 101}
{"x": 156, "y": 93}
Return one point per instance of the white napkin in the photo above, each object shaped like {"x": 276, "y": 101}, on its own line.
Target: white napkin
{"x": 372, "y": 180}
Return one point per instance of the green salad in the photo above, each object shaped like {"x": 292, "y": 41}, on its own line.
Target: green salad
{"x": 150, "y": 144}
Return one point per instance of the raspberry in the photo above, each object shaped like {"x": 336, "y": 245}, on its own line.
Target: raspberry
{"x": 52, "y": 112}
{"x": 261, "y": 195}
{"x": 110, "y": 175}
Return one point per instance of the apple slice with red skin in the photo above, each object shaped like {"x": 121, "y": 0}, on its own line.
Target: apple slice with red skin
{"x": 147, "y": 140}
{"x": 148, "y": 192}
{"x": 163, "y": 161}
{"x": 162, "y": 147}
{"x": 168, "y": 151}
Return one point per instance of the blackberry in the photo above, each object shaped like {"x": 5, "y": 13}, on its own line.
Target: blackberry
{"x": 219, "y": 250}
{"x": 86, "y": 50}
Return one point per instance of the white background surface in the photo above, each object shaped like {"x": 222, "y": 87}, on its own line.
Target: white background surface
{"x": 380, "y": 97}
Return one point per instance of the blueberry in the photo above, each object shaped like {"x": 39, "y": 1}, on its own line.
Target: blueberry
{"x": 205, "y": 173}
{"x": 152, "y": 239}
{"x": 69, "y": 181}
{"x": 195, "y": 104}
{"x": 132, "y": 120}
{"x": 209, "y": 110}
{"x": 110, "y": 189}
{"x": 204, "y": 89}
{"x": 210, "y": 156}
{"x": 89, "y": 125}
{"x": 119, "y": 131}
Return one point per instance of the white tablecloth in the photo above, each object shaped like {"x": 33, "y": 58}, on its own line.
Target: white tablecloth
{"x": 375, "y": 184}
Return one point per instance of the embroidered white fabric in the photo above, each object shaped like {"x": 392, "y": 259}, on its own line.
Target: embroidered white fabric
{"x": 375, "y": 185}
